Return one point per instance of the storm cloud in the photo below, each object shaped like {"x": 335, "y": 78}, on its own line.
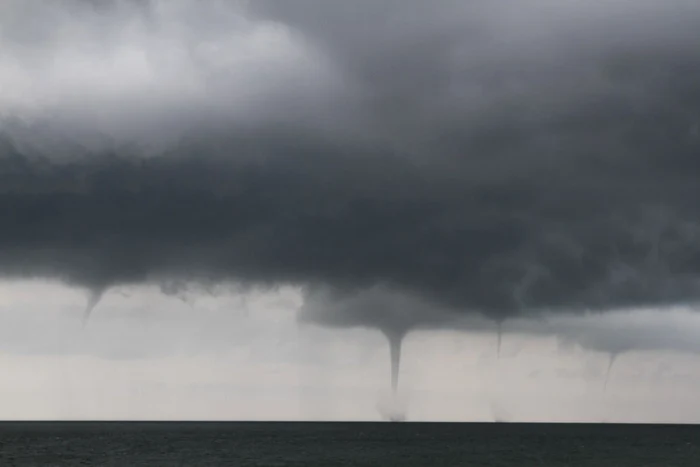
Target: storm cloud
{"x": 499, "y": 158}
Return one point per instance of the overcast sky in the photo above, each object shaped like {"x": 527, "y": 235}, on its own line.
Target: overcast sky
{"x": 357, "y": 171}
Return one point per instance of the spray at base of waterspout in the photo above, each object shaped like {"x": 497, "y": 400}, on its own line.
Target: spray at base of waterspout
{"x": 392, "y": 409}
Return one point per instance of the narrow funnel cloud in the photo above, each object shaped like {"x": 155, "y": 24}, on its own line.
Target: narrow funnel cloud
{"x": 611, "y": 362}
{"x": 94, "y": 297}
{"x": 392, "y": 313}
{"x": 396, "y": 412}
{"x": 395, "y": 341}
{"x": 499, "y": 338}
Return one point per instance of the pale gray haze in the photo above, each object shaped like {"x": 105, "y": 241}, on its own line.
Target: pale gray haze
{"x": 368, "y": 209}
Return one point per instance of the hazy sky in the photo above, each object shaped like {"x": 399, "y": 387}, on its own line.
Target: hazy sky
{"x": 155, "y": 357}
{"x": 354, "y": 169}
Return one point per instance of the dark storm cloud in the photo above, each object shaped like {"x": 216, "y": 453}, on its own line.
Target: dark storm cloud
{"x": 496, "y": 157}
{"x": 622, "y": 332}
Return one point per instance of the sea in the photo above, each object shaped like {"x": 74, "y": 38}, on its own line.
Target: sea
{"x": 346, "y": 444}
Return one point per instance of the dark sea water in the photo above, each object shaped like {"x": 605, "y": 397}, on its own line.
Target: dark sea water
{"x": 347, "y": 444}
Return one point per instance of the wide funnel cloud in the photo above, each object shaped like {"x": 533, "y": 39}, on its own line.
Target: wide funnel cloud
{"x": 493, "y": 157}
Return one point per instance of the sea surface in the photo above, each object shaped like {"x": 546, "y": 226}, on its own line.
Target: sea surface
{"x": 346, "y": 444}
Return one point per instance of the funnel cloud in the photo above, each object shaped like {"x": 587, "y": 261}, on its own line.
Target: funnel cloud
{"x": 94, "y": 297}
{"x": 495, "y": 158}
{"x": 395, "y": 341}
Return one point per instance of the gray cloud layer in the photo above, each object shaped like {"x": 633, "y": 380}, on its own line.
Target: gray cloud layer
{"x": 479, "y": 156}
